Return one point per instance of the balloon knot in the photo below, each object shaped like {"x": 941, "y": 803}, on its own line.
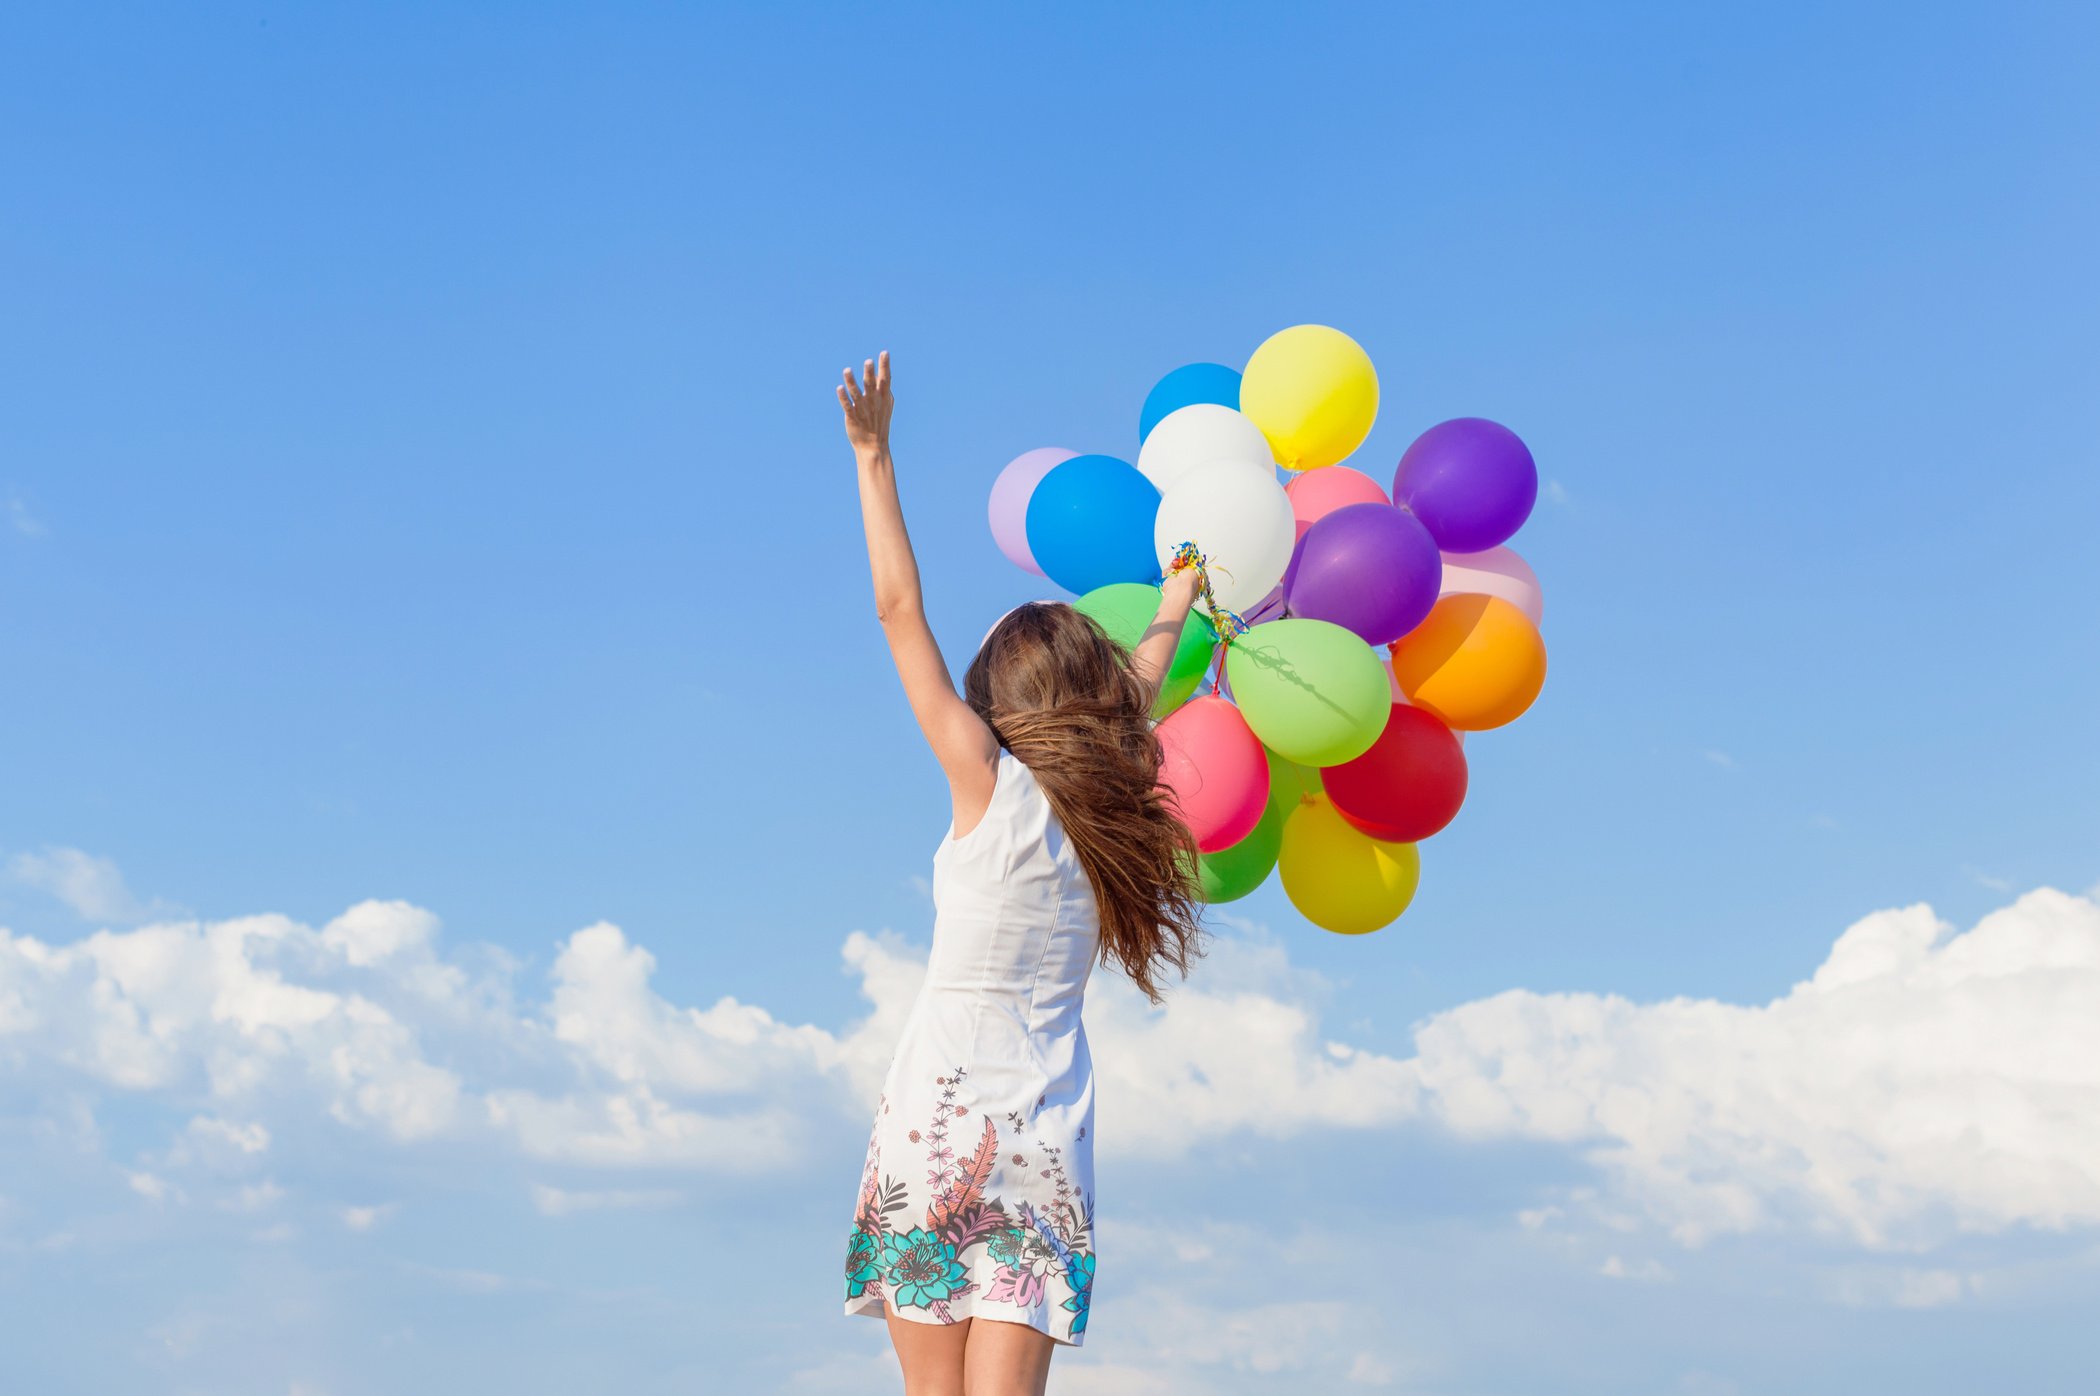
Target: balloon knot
{"x": 1225, "y": 623}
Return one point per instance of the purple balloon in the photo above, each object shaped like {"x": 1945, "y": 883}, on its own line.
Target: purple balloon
{"x": 1470, "y": 481}
{"x": 1270, "y": 607}
{"x": 1009, "y": 506}
{"x": 1369, "y": 568}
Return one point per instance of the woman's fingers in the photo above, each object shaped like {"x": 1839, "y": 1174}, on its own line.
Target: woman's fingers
{"x": 874, "y": 378}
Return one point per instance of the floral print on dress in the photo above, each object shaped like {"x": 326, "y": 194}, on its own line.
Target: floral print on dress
{"x": 924, "y": 1263}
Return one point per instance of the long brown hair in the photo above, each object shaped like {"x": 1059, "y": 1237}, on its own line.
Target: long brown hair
{"x": 1061, "y": 696}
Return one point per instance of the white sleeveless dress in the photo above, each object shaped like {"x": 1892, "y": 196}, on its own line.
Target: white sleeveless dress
{"x": 977, "y": 1196}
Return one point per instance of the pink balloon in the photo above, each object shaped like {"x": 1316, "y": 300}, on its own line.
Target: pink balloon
{"x": 1318, "y": 493}
{"x": 1213, "y": 765}
{"x": 1009, "y": 505}
{"x": 1496, "y": 572}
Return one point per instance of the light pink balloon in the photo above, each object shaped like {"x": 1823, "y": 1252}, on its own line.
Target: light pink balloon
{"x": 1318, "y": 493}
{"x": 1496, "y": 572}
{"x": 1213, "y": 765}
{"x": 1009, "y": 504}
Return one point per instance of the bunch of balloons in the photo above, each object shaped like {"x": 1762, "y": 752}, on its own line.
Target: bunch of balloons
{"x": 1363, "y": 632}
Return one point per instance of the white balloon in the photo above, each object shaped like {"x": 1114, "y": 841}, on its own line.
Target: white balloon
{"x": 1199, "y": 434}
{"x": 1239, "y": 518}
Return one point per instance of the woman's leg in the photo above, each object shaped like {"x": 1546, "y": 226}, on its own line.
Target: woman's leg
{"x": 1006, "y": 1359}
{"x": 931, "y": 1355}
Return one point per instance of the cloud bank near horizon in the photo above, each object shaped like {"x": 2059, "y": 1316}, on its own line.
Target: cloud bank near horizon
{"x": 1919, "y": 1084}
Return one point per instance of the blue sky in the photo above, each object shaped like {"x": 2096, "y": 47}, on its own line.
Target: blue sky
{"x": 419, "y": 481}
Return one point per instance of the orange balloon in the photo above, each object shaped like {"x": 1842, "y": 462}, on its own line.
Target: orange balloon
{"x": 1475, "y": 661}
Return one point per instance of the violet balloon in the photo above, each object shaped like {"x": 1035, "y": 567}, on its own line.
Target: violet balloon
{"x": 1009, "y": 503}
{"x": 1270, "y": 607}
{"x": 1470, "y": 481}
{"x": 1369, "y": 568}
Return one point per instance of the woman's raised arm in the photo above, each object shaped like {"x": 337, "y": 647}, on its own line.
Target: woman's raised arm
{"x": 1155, "y": 648}
{"x": 965, "y": 747}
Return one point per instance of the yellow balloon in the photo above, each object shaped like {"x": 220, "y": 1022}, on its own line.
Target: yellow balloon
{"x": 1342, "y": 880}
{"x": 1313, "y": 393}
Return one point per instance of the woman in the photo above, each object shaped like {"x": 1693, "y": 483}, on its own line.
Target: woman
{"x": 974, "y": 1232}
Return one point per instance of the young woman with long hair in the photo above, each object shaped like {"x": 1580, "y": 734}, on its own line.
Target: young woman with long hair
{"x": 974, "y": 1231}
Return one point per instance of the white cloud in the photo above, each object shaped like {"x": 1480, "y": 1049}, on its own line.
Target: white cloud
{"x": 254, "y": 1197}
{"x": 152, "y": 1186}
{"x": 1649, "y": 1270}
{"x": 364, "y": 1218}
{"x": 565, "y": 1202}
{"x": 1988, "y": 881}
{"x": 240, "y": 1139}
{"x": 91, "y": 887}
{"x": 636, "y": 1127}
{"x": 605, "y": 1008}
{"x": 1367, "y": 1370}
{"x": 1283, "y": 1335}
{"x": 15, "y": 510}
{"x": 374, "y": 932}
{"x": 1920, "y": 1083}
{"x": 1236, "y": 1047}
{"x": 213, "y": 1011}
{"x": 1898, "y": 1287}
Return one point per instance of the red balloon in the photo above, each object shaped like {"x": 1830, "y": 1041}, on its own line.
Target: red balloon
{"x": 1214, "y": 766}
{"x": 1408, "y": 785}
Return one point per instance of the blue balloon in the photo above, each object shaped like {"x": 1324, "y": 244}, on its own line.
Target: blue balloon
{"x": 1090, "y": 523}
{"x": 1186, "y": 386}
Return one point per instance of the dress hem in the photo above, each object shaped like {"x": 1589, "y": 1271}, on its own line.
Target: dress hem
{"x": 874, "y": 1306}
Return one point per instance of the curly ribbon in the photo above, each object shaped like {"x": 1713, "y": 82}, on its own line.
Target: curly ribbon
{"x": 1225, "y": 623}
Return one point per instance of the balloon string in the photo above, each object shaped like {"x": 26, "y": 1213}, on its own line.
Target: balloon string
{"x": 1225, "y": 623}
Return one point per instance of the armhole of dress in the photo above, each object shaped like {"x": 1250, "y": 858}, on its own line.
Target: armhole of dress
{"x": 1001, "y": 778}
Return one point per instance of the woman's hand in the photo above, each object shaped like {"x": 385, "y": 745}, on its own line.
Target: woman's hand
{"x": 868, "y": 402}
{"x": 1180, "y": 590}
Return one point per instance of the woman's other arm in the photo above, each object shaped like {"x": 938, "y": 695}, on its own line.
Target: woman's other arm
{"x": 1155, "y": 648}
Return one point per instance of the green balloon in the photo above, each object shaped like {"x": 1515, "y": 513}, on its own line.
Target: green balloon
{"x": 1125, "y": 610}
{"x": 1231, "y": 873}
{"x": 1312, "y": 691}
{"x": 1290, "y": 783}
{"x": 1174, "y": 692}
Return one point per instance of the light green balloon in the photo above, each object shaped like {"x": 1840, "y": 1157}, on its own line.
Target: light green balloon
{"x": 1125, "y": 610}
{"x": 1233, "y": 872}
{"x": 1312, "y": 691}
